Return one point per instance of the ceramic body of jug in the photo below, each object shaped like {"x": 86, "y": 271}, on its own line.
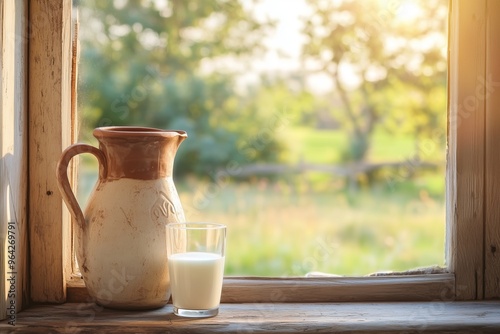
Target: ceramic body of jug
{"x": 120, "y": 237}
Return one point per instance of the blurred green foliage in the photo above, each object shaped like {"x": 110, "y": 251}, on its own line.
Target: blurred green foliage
{"x": 150, "y": 63}
{"x": 144, "y": 62}
{"x": 396, "y": 50}
{"x": 140, "y": 65}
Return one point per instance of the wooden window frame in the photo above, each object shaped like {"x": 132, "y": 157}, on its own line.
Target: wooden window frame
{"x": 13, "y": 156}
{"x": 473, "y": 216}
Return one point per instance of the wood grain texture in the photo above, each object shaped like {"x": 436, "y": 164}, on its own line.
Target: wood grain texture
{"x": 439, "y": 287}
{"x": 13, "y": 153}
{"x": 395, "y": 317}
{"x": 3, "y": 189}
{"x": 333, "y": 289}
{"x": 50, "y": 133}
{"x": 73, "y": 166}
{"x": 466, "y": 136}
{"x": 491, "y": 88}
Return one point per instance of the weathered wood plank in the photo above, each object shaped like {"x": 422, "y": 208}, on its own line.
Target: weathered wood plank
{"x": 324, "y": 289}
{"x": 465, "y": 171}
{"x": 3, "y": 226}
{"x": 13, "y": 156}
{"x": 395, "y": 317}
{"x": 491, "y": 87}
{"x": 50, "y": 132}
{"x": 333, "y": 289}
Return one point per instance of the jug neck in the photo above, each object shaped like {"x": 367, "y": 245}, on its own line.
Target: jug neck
{"x": 139, "y": 152}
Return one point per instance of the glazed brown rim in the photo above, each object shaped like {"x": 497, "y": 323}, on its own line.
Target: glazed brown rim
{"x": 136, "y": 131}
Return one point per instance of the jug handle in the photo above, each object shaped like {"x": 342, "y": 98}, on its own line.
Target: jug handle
{"x": 63, "y": 181}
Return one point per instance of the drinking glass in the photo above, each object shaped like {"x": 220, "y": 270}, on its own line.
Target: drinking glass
{"x": 196, "y": 254}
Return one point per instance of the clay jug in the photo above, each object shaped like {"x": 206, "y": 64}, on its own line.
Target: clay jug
{"x": 120, "y": 237}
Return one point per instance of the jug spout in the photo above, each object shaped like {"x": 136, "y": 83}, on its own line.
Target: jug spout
{"x": 181, "y": 136}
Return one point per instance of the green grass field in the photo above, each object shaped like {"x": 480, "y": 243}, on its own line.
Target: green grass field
{"x": 295, "y": 225}
{"x": 281, "y": 230}
{"x": 323, "y": 146}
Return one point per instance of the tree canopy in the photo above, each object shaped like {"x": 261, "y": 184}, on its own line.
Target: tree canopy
{"x": 142, "y": 66}
{"x": 149, "y": 62}
{"x": 387, "y": 61}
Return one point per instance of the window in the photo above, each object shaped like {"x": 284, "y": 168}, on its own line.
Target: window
{"x": 329, "y": 164}
{"x": 473, "y": 235}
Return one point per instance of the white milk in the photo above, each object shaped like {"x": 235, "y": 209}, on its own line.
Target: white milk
{"x": 196, "y": 280}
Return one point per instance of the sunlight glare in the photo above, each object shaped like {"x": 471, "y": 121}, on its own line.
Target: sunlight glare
{"x": 408, "y": 11}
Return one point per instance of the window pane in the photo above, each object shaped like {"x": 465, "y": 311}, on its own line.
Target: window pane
{"x": 317, "y": 129}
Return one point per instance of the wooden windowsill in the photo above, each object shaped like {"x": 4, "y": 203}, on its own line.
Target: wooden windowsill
{"x": 388, "y": 317}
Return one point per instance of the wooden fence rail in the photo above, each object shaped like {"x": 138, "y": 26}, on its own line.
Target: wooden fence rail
{"x": 346, "y": 170}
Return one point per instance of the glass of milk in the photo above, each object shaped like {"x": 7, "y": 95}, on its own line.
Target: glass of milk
{"x": 196, "y": 253}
